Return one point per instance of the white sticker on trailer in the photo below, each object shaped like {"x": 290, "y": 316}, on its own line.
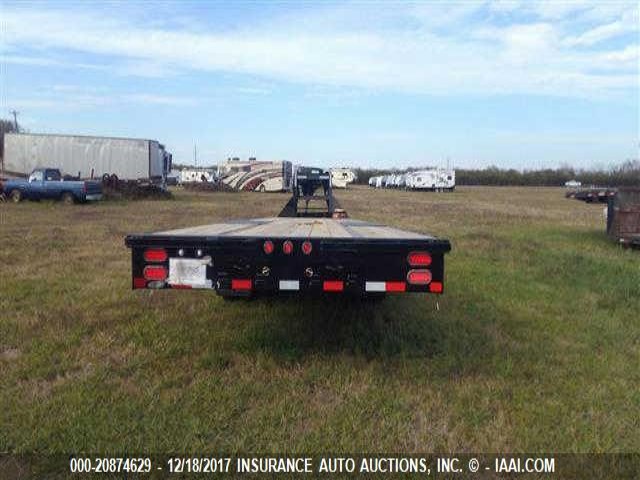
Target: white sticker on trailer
{"x": 188, "y": 272}
{"x": 374, "y": 286}
{"x": 289, "y": 285}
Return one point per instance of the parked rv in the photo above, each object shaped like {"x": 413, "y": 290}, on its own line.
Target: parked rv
{"x": 261, "y": 176}
{"x": 87, "y": 157}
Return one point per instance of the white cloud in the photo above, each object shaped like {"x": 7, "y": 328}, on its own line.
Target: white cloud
{"x": 150, "y": 99}
{"x": 534, "y": 57}
{"x": 627, "y": 23}
{"x": 80, "y": 97}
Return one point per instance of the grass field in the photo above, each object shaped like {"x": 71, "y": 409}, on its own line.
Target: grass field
{"x": 535, "y": 345}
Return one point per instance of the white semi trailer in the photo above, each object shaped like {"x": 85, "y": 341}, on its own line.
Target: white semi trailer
{"x": 87, "y": 157}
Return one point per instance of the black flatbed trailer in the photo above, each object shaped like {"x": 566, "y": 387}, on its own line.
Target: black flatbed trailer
{"x": 291, "y": 253}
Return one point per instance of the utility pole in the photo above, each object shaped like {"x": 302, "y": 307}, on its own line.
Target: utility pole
{"x": 195, "y": 155}
{"x": 15, "y": 120}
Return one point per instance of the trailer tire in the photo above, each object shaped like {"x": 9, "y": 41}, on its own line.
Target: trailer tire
{"x": 114, "y": 180}
{"x": 16, "y": 196}
{"x": 262, "y": 189}
{"x": 68, "y": 198}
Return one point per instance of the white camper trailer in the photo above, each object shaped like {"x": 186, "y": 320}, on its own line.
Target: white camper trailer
{"x": 437, "y": 180}
{"x": 341, "y": 177}
{"x": 388, "y": 181}
{"x": 194, "y": 175}
{"x": 380, "y": 181}
{"x": 401, "y": 181}
{"x": 372, "y": 181}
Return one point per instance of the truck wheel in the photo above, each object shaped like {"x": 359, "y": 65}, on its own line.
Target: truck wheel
{"x": 68, "y": 198}
{"x": 16, "y": 196}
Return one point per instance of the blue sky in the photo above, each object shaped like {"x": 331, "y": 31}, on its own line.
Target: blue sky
{"x": 381, "y": 84}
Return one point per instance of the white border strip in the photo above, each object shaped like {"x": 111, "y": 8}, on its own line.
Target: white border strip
{"x": 374, "y": 286}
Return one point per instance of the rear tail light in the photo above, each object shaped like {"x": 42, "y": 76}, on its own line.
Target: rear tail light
{"x": 419, "y": 259}
{"x": 155, "y": 255}
{"x": 435, "y": 287}
{"x": 395, "y": 286}
{"x": 155, "y": 273}
{"x": 333, "y": 285}
{"x": 307, "y": 247}
{"x": 241, "y": 284}
{"x": 287, "y": 247}
{"x": 268, "y": 247}
{"x": 419, "y": 277}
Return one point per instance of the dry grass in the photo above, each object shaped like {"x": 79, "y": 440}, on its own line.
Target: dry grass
{"x": 535, "y": 347}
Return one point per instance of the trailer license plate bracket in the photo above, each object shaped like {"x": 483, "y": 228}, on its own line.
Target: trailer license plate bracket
{"x": 191, "y": 272}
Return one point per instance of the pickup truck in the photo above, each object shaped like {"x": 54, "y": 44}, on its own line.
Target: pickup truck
{"x": 305, "y": 249}
{"x": 47, "y": 183}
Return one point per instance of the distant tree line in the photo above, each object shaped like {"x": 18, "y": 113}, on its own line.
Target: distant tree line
{"x": 628, "y": 173}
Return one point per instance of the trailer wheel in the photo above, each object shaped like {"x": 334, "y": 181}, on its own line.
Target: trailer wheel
{"x": 114, "y": 180}
{"x": 68, "y": 198}
{"x": 262, "y": 189}
{"x": 16, "y": 196}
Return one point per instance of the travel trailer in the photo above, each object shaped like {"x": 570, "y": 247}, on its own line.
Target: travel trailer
{"x": 341, "y": 177}
{"x": 191, "y": 175}
{"x": 434, "y": 179}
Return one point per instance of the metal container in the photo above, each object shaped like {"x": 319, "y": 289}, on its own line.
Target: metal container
{"x": 623, "y": 216}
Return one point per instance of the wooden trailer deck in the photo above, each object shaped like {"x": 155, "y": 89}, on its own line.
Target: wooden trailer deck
{"x": 297, "y": 227}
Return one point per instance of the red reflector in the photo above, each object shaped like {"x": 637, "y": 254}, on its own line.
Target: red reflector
{"x": 268, "y": 247}
{"x": 435, "y": 287}
{"x": 307, "y": 247}
{"x": 241, "y": 284}
{"x": 155, "y": 255}
{"x": 419, "y": 277}
{"x": 287, "y": 247}
{"x": 155, "y": 273}
{"x": 419, "y": 259}
{"x": 333, "y": 285}
{"x": 139, "y": 282}
{"x": 395, "y": 286}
